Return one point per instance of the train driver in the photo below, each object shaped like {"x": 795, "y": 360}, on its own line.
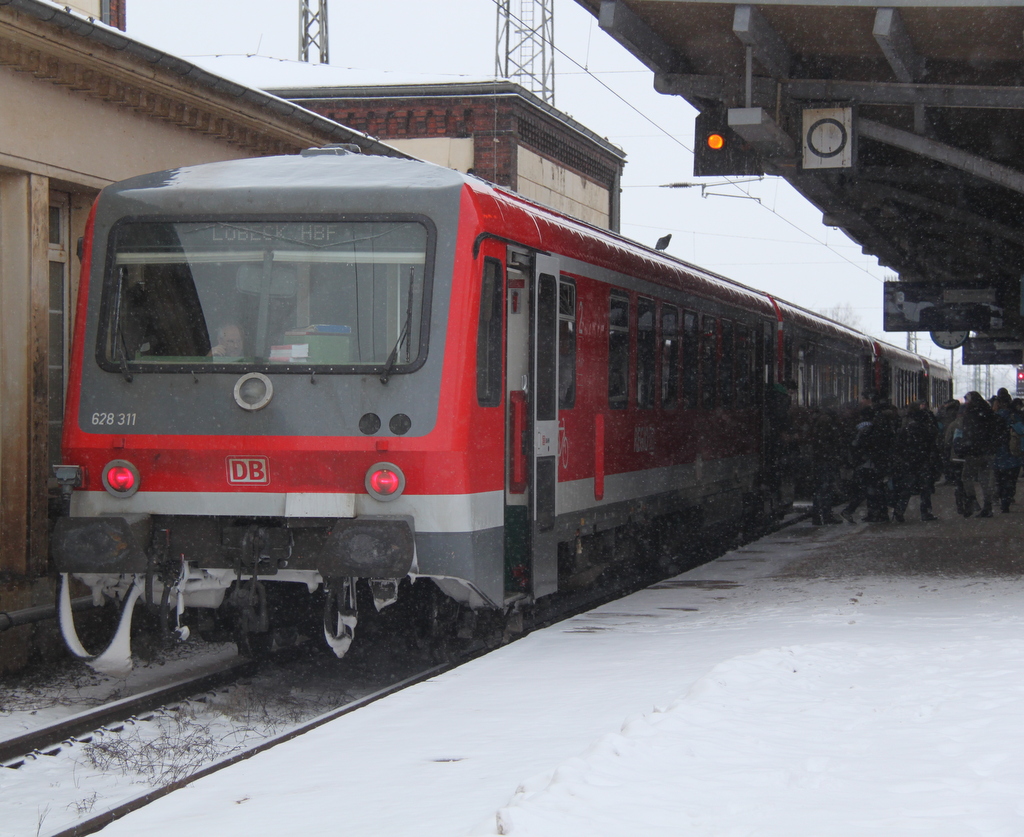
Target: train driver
{"x": 229, "y": 342}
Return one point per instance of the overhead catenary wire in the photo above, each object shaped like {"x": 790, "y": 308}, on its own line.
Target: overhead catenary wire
{"x": 665, "y": 132}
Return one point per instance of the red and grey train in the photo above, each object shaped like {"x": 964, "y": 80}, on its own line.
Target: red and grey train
{"x": 296, "y": 378}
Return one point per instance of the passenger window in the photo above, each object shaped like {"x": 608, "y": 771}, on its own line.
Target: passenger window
{"x": 669, "y": 356}
{"x": 566, "y": 345}
{"x": 545, "y": 395}
{"x": 744, "y": 367}
{"x": 618, "y": 352}
{"x": 488, "y": 338}
{"x": 645, "y": 353}
{"x": 709, "y": 362}
{"x": 691, "y": 342}
{"x": 725, "y": 365}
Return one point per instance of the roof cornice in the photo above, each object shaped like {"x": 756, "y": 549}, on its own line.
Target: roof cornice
{"x": 93, "y": 59}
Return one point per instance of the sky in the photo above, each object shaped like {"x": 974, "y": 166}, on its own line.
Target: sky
{"x": 800, "y": 686}
{"x": 761, "y": 233}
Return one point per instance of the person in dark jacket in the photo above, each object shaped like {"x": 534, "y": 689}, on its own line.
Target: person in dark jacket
{"x": 946, "y": 415}
{"x": 827, "y": 447}
{"x": 867, "y": 452}
{"x": 1006, "y": 462}
{"x": 980, "y": 437}
{"x": 777, "y": 405}
{"x": 916, "y": 462}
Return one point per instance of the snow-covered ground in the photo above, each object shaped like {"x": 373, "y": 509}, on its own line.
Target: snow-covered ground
{"x": 746, "y": 697}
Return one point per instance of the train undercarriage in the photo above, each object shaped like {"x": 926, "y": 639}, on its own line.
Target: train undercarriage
{"x": 254, "y": 582}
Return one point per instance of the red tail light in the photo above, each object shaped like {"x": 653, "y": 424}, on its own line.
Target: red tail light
{"x": 121, "y": 478}
{"x": 385, "y": 481}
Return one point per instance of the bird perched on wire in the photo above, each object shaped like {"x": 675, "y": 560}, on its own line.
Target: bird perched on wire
{"x": 663, "y": 242}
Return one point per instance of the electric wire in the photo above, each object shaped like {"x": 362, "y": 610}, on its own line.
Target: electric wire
{"x": 664, "y": 131}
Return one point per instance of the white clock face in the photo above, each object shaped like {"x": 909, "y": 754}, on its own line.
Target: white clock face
{"x": 949, "y": 339}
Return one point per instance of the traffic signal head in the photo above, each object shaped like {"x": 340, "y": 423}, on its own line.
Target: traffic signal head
{"x": 719, "y": 151}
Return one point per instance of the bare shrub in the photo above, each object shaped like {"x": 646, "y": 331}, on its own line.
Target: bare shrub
{"x": 181, "y": 747}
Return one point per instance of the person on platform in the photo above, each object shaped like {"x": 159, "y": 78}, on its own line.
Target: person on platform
{"x": 916, "y": 462}
{"x": 887, "y": 425}
{"x": 866, "y": 453}
{"x": 945, "y": 416}
{"x": 980, "y": 434}
{"x": 827, "y": 448}
{"x": 1006, "y": 462}
{"x": 779, "y": 432}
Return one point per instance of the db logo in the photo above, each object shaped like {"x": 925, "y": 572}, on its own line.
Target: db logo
{"x": 248, "y": 470}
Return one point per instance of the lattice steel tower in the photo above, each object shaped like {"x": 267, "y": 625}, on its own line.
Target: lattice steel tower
{"x": 525, "y": 45}
{"x": 313, "y": 29}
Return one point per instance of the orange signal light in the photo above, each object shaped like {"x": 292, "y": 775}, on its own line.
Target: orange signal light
{"x": 716, "y": 142}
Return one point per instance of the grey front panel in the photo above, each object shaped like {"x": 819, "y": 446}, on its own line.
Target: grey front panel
{"x": 476, "y": 557}
{"x": 325, "y": 404}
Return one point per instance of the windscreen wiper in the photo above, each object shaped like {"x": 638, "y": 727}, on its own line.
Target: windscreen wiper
{"x": 392, "y": 360}
{"x": 120, "y": 346}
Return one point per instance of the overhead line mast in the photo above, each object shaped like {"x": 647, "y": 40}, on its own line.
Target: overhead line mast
{"x": 525, "y": 45}
{"x": 313, "y": 29}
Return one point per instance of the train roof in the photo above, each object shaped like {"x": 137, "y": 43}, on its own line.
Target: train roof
{"x": 327, "y": 168}
{"x": 287, "y": 179}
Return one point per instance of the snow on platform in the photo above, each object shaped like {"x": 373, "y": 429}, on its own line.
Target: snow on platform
{"x": 840, "y": 680}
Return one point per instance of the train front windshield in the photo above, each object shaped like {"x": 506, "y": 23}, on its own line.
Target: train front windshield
{"x": 345, "y": 296}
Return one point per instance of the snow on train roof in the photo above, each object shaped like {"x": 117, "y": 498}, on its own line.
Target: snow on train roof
{"x": 534, "y": 224}
{"x": 323, "y": 168}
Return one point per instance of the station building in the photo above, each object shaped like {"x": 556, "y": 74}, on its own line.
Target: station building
{"x": 81, "y": 106}
{"x": 496, "y": 130}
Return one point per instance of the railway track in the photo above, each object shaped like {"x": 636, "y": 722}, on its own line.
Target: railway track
{"x": 97, "y": 727}
{"x": 49, "y": 739}
{"x": 98, "y": 821}
{"x": 103, "y": 763}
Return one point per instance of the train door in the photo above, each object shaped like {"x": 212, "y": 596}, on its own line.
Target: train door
{"x": 531, "y": 545}
{"x": 544, "y": 362}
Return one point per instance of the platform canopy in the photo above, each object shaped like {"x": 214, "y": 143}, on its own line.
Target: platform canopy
{"x": 903, "y": 124}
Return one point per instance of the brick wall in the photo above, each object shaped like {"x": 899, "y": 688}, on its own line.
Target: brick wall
{"x": 118, "y": 17}
{"x": 497, "y": 124}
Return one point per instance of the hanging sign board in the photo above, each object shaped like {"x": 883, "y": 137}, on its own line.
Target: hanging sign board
{"x": 986, "y": 351}
{"x": 928, "y": 306}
